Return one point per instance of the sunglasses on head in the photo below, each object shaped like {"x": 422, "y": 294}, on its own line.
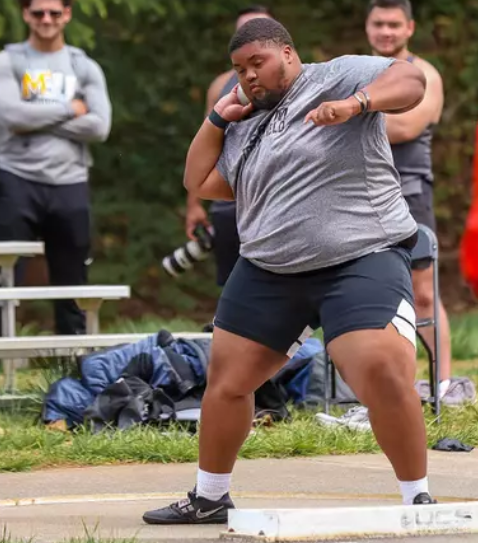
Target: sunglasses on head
{"x": 40, "y": 13}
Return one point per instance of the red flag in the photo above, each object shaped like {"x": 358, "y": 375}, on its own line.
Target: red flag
{"x": 469, "y": 241}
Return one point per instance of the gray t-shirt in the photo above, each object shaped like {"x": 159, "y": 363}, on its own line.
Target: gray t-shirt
{"x": 309, "y": 197}
{"x": 39, "y": 138}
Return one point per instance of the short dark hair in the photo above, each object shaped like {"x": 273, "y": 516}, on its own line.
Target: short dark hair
{"x": 404, "y": 5}
{"x": 27, "y": 3}
{"x": 263, "y": 30}
{"x": 254, "y": 8}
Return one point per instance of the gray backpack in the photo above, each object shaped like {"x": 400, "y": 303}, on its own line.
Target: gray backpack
{"x": 18, "y": 54}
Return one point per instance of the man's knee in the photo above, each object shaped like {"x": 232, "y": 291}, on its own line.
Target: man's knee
{"x": 423, "y": 289}
{"x": 385, "y": 379}
{"x": 424, "y": 299}
{"x": 238, "y": 368}
{"x": 228, "y": 385}
{"x": 384, "y": 370}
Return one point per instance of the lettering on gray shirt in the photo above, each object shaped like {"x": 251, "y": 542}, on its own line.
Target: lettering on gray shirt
{"x": 39, "y": 138}
{"x": 310, "y": 197}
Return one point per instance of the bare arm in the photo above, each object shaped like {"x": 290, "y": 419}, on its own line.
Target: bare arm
{"x": 96, "y": 124}
{"x": 195, "y": 215}
{"x": 195, "y": 212}
{"x": 396, "y": 89}
{"x": 201, "y": 178}
{"x": 408, "y": 126}
{"x": 400, "y": 88}
{"x": 18, "y": 115}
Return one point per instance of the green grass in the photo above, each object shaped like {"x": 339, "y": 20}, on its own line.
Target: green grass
{"x": 152, "y": 325}
{"x": 26, "y": 444}
{"x": 464, "y": 336}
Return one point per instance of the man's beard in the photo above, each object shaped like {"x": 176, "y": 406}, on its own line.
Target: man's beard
{"x": 269, "y": 100}
{"x": 396, "y": 50}
{"x": 272, "y": 97}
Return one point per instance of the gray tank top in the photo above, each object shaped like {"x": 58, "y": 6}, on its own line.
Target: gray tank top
{"x": 233, "y": 81}
{"x": 222, "y": 205}
{"x": 413, "y": 160}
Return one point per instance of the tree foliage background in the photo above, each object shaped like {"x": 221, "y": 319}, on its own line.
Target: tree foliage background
{"x": 159, "y": 57}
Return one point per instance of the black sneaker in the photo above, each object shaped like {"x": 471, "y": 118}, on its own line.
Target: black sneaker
{"x": 193, "y": 510}
{"x": 424, "y": 499}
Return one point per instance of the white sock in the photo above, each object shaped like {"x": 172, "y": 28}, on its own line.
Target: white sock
{"x": 212, "y": 486}
{"x": 411, "y": 489}
{"x": 443, "y": 387}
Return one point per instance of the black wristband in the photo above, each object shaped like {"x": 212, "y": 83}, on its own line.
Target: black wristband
{"x": 217, "y": 120}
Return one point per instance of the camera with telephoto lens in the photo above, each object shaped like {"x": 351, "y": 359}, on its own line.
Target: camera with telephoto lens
{"x": 186, "y": 256}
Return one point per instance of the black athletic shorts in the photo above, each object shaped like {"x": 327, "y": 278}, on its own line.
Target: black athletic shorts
{"x": 281, "y": 311}
{"x": 226, "y": 240}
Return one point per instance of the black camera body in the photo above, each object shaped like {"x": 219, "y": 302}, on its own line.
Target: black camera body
{"x": 186, "y": 256}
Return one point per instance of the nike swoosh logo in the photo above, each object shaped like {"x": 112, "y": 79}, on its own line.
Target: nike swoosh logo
{"x": 201, "y": 515}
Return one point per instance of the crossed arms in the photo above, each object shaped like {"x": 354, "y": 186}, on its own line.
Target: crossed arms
{"x": 69, "y": 121}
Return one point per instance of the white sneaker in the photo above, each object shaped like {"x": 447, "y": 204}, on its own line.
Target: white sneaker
{"x": 355, "y": 418}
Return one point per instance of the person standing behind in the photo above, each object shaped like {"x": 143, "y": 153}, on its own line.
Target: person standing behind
{"x": 223, "y": 214}
{"x": 389, "y": 27}
{"x": 54, "y": 102}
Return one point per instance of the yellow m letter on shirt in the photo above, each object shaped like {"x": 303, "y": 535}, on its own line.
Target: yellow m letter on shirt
{"x": 35, "y": 85}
